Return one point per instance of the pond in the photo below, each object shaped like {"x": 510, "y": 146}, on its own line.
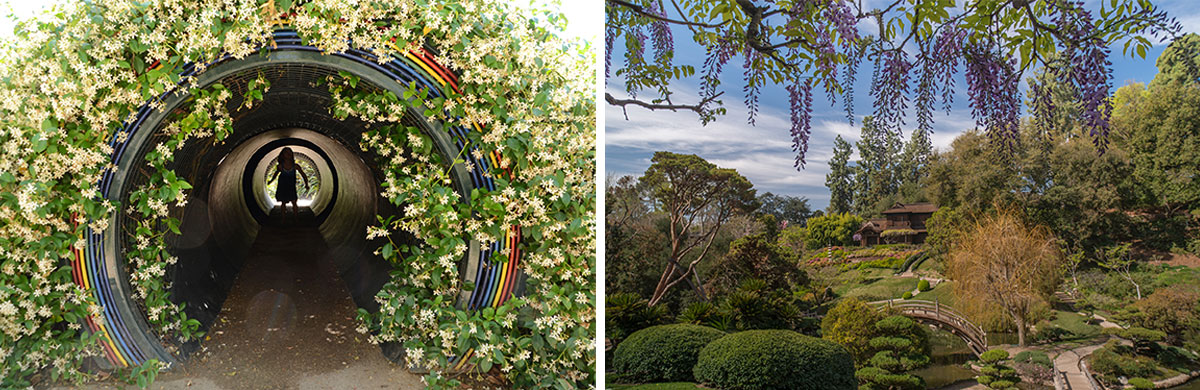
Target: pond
{"x": 948, "y": 354}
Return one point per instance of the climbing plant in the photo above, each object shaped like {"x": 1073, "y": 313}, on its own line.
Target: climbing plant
{"x": 72, "y": 77}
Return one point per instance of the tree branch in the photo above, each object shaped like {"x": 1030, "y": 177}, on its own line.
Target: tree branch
{"x": 698, "y": 108}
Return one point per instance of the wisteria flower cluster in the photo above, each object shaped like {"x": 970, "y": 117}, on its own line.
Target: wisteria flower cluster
{"x": 916, "y": 49}
{"x": 71, "y": 78}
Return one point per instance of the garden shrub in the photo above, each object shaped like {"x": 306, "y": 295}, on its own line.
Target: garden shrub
{"x": 662, "y": 353}
{"x": 906, "y": 295}
{"x": 1050, "y": 333}
{"x": 851, "y": 324}
{"x": 884, "y": 263}
{"x": 775, "y": 360}
{"x": 1141, "y": 383}
{"x": 995, "y": 374}
{"x": 1034, "y": 357}
{"x": 626, "y": 313}
{"x": 1114, "y": 360}
{"x": 923, "y": 285}
{"x": 755, "y": 306}
{"x": 698, "y": 313}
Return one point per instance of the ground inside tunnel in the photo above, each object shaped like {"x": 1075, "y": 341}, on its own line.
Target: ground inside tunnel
{"x": 288, "y": 322}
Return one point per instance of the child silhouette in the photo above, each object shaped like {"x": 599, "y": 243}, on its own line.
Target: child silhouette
{"x": 286, "y": 190}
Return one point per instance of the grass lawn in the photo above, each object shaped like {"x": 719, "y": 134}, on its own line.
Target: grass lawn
{"x": 656, "y": 386}
{"x": 943, "y": 292}
{"x": 1075, "y": 323}
{"x": 878, "y": 288}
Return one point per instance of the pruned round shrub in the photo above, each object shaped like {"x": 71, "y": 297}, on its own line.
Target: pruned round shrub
{"x": 663, "y": 353}
{"x": 906, "y": 295}
{"x": 1141, "y": 383}
{"x": 775, "y": 359}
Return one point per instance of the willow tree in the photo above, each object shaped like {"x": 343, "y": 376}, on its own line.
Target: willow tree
{"x": 1004, "y": 265}
{"x": 916, "y": 48}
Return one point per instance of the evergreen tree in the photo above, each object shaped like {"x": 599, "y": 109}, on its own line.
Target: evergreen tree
{"x": 914, "y": 163}
{"x": 876, "y": 173}
{"x": 840, "y": 179}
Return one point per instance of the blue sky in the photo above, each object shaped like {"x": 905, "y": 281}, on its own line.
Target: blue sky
{"x": 763, "y": 152}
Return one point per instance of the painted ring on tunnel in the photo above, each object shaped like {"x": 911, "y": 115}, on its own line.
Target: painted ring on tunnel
{"x": 126, "y": 337}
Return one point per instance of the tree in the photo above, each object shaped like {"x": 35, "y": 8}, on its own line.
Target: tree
{"x": 633, "y": 240}
{"x": 852, "y": 324}
{"x": 900, "y": 345}
{"x": 1160, "y": 127}
{"x": 786, "y": 209}
{"x": 808, "y": 45}
{"x": 1179, "y": 62}
{"x": 971, "y": 177}
{"x": 1171, "y": 310}
{"x": 914, "y": 162}
{"x": 997, "y": 375}
{"x": 1117, "y": 258}
{"x": 756, "y": 256}
{"x": 945, "y": 228}
{"x": 832, "y": 229}
{"x": 875, "y": 175}
{"x": 840, "y": 178}
{"x": 1003, "y": 264}
{"x": 698, "y": 197}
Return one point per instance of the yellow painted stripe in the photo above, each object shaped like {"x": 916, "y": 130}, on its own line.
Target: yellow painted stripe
{"x": 503, "y": 273}
{"x": 104, "y": 334}
{"x": 427, "y": 69}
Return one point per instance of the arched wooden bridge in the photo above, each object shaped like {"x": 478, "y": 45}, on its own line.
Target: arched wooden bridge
{"x": 932, "y": 312}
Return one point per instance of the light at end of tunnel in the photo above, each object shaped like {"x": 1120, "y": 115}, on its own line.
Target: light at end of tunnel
{"x": 299, "y": 202}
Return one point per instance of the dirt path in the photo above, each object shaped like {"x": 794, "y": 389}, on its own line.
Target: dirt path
{"x": 288, "y": 324}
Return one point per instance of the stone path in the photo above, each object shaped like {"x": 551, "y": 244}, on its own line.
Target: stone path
{"x": 1068, "y": 362}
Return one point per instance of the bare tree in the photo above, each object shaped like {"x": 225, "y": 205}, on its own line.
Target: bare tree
{"x": 1118, "y": 259}
{"x": 1002, "y": 263}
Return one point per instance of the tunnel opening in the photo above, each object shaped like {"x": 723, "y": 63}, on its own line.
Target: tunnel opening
{"x": 230, "y": 203}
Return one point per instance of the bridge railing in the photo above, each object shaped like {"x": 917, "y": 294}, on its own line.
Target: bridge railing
{"x": 940, "y": 312}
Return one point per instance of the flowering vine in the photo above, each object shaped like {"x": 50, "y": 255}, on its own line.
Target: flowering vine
{"x": 72, "y": 79}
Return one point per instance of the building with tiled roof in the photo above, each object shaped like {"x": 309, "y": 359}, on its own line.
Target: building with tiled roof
{"x": 903, "y": 223}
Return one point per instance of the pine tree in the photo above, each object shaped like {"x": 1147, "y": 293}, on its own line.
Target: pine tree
{"x": 840, "y": 179}
{"x": 876, "y": 173}
{"x": 914, "y": 163}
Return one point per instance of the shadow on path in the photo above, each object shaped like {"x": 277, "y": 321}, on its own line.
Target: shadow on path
{"x": 288, "y": 323}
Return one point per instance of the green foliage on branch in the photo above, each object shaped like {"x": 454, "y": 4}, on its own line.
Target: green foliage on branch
{"x": 832, "y": 229}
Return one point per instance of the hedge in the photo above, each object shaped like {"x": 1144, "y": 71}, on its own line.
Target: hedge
{"x": 775, "y": 359}
{"x": 663, "y": 353}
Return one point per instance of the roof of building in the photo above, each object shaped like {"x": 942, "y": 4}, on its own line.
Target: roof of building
{"x": 874, "y": 224}
{"x": 900, "y": 208}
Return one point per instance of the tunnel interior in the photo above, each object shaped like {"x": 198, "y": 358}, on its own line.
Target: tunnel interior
{"x": 230, "y": 201}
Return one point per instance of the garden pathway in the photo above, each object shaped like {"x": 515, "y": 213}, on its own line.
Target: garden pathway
{"x": 288, "y": 323}
{"x": 1068, "y": 363}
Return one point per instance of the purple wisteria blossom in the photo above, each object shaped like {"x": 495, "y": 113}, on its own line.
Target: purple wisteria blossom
{"x": 800, "y": 99}
{"x": 890, "y": 89}
{"x": 1087, "y": 67}
{"x": 753, "y": 84}
{"x": 992, "y": 88}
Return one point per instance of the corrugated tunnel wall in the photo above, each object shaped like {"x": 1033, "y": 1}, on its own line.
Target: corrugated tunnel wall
{"x": 227, "y": 204}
